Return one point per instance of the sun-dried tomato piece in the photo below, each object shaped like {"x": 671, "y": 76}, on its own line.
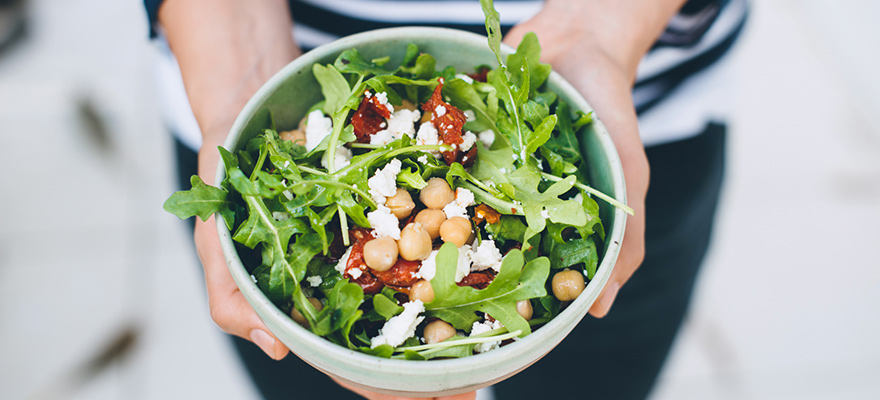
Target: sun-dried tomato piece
{"x": 486, "y": 213}
{"x": 482, "y": 74}
{"x": 368, "y": 118}
{"x": 448, "y": 120}
{"x": 478, "y": 279}
{"x": 365, "y": 279}
{"x": 400, "y": 274}
{"x": 467, "y": 159}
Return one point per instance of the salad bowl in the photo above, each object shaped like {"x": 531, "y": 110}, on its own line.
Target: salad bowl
{"x": 287, "y": 97}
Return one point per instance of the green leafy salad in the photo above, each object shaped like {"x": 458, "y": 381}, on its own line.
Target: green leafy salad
{"x": 416, "y": 212}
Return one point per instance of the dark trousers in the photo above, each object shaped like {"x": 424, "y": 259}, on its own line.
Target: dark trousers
{"x": 617, "y": 357}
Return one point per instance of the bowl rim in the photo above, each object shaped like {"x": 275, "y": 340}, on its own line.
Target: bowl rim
{"x": 407, "y": 367}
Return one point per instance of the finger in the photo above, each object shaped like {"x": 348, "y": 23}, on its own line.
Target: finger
{"x": 463, "y": 396}
{"x": 229, "y": 309}
{"x": 632, "y": 252}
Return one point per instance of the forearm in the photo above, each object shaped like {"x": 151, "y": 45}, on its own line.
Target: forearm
{"x": 226, "y": 50}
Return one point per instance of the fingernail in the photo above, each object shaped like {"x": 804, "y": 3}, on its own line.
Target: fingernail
{"x": 608, "y": 297}
{"x": 264, "y": 340}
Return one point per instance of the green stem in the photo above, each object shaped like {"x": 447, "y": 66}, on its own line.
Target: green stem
{"x": 356, "y": 145}
{"x": 258, "y": 166}
{"x": 343, "y": 224}
{"x": 311, "y": 170}
{"x": 359, "y": 192}
{"x": 494, "y": 202}
{"x": 484, "y": 337}
{"x": 595, "y": 192}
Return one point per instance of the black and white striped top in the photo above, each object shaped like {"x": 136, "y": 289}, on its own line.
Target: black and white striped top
{"x": 673, "y": 93}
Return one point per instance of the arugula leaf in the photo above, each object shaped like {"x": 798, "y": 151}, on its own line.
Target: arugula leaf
{"x": 352, "y": 62}
{"x": 526, "y": 180}
{"x": 386, "y": 306}
{"x": 527, "y": 57}
{"x": 284, "y": 278}
{"x": 464, "y": 96}
{"x": 342, "y": 305}
{"x": 202, "y": 200}
{"x": 458, "y": 305}
{"x": 333, "y": 85}
{"x": 507, "y": 228}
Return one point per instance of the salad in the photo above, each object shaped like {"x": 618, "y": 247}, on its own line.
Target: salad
{"x": 416, "y": 212}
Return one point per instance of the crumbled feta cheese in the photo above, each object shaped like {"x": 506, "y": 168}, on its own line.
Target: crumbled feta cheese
{"x": 381, "y": 138}
{"x": 401, "y": 326}
{"x": 315, "y": 281}
{"x": 355, "y": 273}
{"x": 429, "y": 267}
{"x": 464, "y": 197}
{"x": 482, "y": 327}
{"x": 343, "y": 261}
{"x": 280, "y": 216}
{"x": 470, "y": 115}
{"x": 317, "y": 127}
{"x": 454, "y": 210}
{"x": 343, "y": 157}
{"x": 487, "y": 137}
{"x": 465, "y": 78}
{"x": 486, "y": 256}
{"x": 383, "y": 99}
{"x": 428, "y": 135}
{"x": 254, "y": 278}
{"x": 545, "y": 214}
{"x": 384, "y": 223}
{"x": 368, "y": 94}
{"x": 440, "y": 111}
{"x": 286, "y": 164}
{"x": 384, "y": 181}
{"x": 422, "y": 159}
{"x": 463, "y": 265}
{"x": 469, "y": 140}
{"x": 402, "y": 122}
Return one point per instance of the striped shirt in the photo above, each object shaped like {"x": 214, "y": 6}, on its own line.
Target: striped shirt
{"x": 677, "y": 91}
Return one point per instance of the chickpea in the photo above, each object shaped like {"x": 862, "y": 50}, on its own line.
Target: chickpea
{"x": 401, "y": 204}
{"x": 567, "y": 284}
{"x": 407, "y": 105}
{"x": 422, "y": 290}
{"x": 296, "y": 136}
{"x": 456, "y": 230}
{"x": 437, "y": 194}
{"x": 301, "y": 319}
{"x": 431, "y": 221}
{"x": 380, "y": 254}
{"x": 438, "y": 331}
{"x": 414, "y": 243}
{"x": 524, "y": 308}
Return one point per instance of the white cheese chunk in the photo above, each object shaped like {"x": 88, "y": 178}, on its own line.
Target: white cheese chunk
{"x": 464, "y": 197}
{"x": 384, "y": 223}
{"x": 383, "y": 99}
{"x": 340, "y": 266}
{"x": 463, "y": 265}
{"x": 384, "y": 181}
{"x": 482, "y": 327}
{"x": 453, "y": 209}
{"x": 469, "y": 140}
{"x": 343, "y": 158}
{"x": 470, "y": 115}
{"x": 486, "y": 256}
{"x": 487, "y": 137}
{"x": 315, "y": 281}
{"x": 317, "y": 128}
{"x": 429, "y": 267}
{"x": 355, "y": 273}
{"x": 401, "y": 326}
{"x": 545, "y": 214}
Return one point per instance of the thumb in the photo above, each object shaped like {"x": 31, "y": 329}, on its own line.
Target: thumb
{"x": 229, "y": 309}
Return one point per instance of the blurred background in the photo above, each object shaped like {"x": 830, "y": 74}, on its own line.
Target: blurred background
{"x": 101, "y": 295}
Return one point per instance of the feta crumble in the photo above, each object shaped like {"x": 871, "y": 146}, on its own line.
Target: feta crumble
{"x": 280, "y": 216}
{"x": 453, "y": 209}
{"x": 422, "y": 159}
{"x": 440, "y": 111}
{"x": 384, "y": 223}
{"x": 487, "y": 137}
{"x": 343, "y": 261}
{"x": 429, "y": 267}
{"x": 482, "y": 327}
{"x": 469, "y": 140}
{"x": 465, "y": 78}
{"x": 464, "y": 197}
{"x": 315, "y": 281}
{"x": 486, "y": 256}
{"x": 343, "y": 157}
{"x": 545, "y": 214}
{"x": 381, "y": 138}
{"x": 402, "y": 122}
{"x": 355, "y": 273}
{"x": 383, "y": 100}
{"x": 463, "y": 265}
{"x": 401, "y": 326}
{"x": 317, "y": 128}
{"x": 470, "y": 115}
{"x": 384, "y": 181}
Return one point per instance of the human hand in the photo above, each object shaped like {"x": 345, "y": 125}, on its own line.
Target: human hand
{"x": 377, "y": 396}
{"x": 603, "y": 72}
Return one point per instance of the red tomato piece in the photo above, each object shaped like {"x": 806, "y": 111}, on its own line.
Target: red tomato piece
{"x": 368, "y": 118}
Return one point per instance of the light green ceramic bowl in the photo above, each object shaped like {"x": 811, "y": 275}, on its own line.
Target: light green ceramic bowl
{"x": 290, "y": 93}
